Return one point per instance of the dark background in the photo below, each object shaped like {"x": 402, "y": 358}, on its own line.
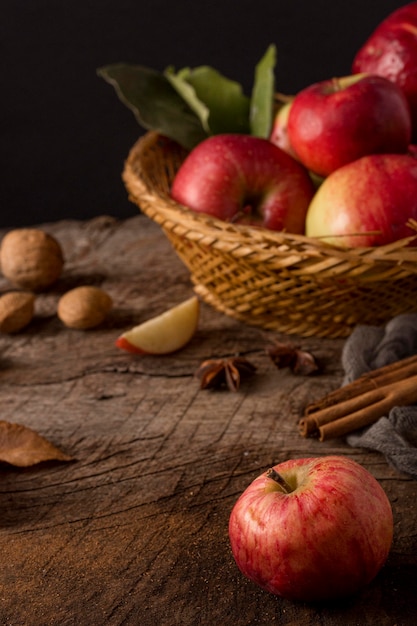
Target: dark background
{"x": 65, "y": 134}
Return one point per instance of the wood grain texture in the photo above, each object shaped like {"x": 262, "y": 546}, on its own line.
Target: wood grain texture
{"x": 134, "y": 531}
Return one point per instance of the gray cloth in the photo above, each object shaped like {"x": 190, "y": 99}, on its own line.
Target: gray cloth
{"x": 370, "y": 347}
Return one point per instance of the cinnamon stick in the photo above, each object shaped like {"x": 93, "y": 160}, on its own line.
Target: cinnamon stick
{"x": 390, "y": 373}
{"x": 362, "y": 402}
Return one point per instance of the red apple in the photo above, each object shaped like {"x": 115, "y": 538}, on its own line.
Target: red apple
{"x": 246, "y": 180}
{"x": 339, "y": 120}
{"x": 391, "y": 51}
{"x": 279, "y": 137}
{"x": 312, "y": 529}
{"x": 367, "y": 202}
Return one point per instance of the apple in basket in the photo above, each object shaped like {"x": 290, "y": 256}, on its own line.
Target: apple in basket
{"x": 245, "y": 180}
{"x": 279, "y": 131}
{"x": 165, "y": 333}
{"x": 339, "y": 120}
{"x": 312, "y": 529}
{"x": 391, "y": 51}
{"x": 367, "y": 202}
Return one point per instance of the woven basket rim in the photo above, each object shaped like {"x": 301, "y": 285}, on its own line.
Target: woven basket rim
{"x": 162, "y": 207}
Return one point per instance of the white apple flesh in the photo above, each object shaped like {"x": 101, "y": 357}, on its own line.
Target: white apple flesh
{"x": 245, "y": 180}
{"x": 324, "y": 535}
{"x": 366, "y": 203}
{"x": 166, "y": 333}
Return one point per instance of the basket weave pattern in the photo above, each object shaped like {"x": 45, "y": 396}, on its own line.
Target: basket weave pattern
{"x": 277, "y": 281}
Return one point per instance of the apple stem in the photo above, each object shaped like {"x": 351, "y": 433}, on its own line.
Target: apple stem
{"x": 271, "y": 473}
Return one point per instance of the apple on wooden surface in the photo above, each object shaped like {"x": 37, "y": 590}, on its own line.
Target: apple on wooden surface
{"x": 339, "y": 120}
{"x": 246, "y": 180}
{"x": 391, "y": 51}
{"x": 367, "y": 202}
{"x": 165, "y": 333}
{"x": 312, "y": 529}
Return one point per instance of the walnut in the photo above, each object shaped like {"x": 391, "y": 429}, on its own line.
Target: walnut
{"x": 31, "y": 258}
{"x": 16, "y": 310}
{"x": 84, "y": 307}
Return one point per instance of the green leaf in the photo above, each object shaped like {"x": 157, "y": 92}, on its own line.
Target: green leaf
{"x": 154, "y": 102}
{"x": 223, "y": 99}
{"x": 187, "y": 92}
{"x": 262, "y": 98}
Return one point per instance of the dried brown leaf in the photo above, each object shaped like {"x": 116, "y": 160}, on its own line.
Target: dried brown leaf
{"x": 23, "y": 447}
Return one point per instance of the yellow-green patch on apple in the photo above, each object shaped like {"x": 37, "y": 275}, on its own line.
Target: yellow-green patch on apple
{"x": 166, "y": 333}
{"x": 368, "y": 202}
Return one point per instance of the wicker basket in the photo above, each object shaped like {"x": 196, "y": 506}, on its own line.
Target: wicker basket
{"x": 277, "y": 281}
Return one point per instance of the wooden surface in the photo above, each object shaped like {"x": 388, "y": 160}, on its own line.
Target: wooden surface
{"x": 134, "y": 531}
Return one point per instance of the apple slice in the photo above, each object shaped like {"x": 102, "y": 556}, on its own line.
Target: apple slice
{"x": 165, "y": 333}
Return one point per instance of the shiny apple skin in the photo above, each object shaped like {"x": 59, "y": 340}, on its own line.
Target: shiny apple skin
{"x": 245, "y": 180}
{"x": 375, "y": 193}
{"x": 330, "y": 125}
{"x": 327, "y": 539}
{"x": 391, "y": 51}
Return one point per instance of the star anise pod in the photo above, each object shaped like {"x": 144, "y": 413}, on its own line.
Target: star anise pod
{"x": 228, "y": 372}
{"x": 288, "y": 355}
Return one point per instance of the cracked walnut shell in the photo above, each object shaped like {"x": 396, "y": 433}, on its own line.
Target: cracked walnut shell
{"x": 31, "y": 258}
